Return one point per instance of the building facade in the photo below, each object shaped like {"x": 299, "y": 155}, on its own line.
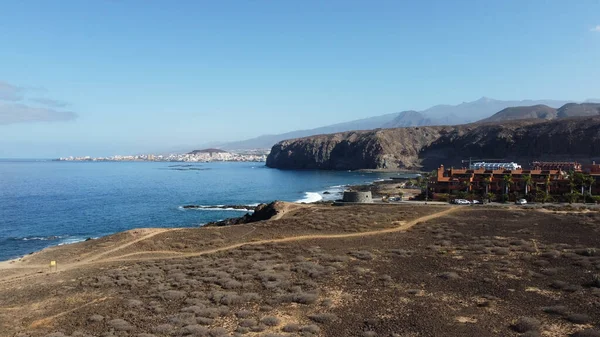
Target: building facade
{"x": 510, "y": 182}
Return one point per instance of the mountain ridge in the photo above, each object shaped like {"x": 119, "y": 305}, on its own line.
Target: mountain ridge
{"x": 425, "y": 148}
{"x": 442, "y": 114}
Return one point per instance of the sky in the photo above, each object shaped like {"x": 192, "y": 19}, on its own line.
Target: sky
{"x": 118, "y": 77}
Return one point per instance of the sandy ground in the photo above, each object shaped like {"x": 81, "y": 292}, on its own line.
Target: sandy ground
{"x": 318, "y": 270}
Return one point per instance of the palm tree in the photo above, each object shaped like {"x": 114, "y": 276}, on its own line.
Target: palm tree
{"x": 507, "y": 182}
{"x": 467, "y": 185}
{"x": 590, "y": 181}
{"x": 587, "y": 181}
{"x": 572, "y": 181}
{"x": 487, "y": 181}
{"x": 527, "y": 181}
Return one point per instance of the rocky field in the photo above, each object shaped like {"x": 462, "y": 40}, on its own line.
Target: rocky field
{"x": 376, "y": 270}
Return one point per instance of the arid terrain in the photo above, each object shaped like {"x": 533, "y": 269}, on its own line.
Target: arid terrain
{"x": 320, "y": 270}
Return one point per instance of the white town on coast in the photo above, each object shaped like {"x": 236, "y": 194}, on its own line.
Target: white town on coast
{"x": 202, "y": 156}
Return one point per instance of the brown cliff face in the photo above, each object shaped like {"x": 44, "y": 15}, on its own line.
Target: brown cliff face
{"x": 428, "y": 147}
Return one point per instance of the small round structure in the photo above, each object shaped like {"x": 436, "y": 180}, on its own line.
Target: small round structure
{"x": 359, "y": 197}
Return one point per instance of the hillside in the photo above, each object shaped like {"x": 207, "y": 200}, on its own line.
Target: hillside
{"x": 545, "y": 112}
{"x": 523, "y": 112}
{"x": 409, "y": 118}
{"x": 444, "y": 114}
{"x": 321, "y": 271}
{"x": 583, "y": 109}
{"x": 428, "y": 147}
{"x": 208, "y": 151}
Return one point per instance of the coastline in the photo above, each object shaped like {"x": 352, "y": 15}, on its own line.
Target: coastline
{"x": 326, "y": 194}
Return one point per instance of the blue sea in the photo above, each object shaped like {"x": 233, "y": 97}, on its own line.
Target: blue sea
{"x": 46, "y": 203}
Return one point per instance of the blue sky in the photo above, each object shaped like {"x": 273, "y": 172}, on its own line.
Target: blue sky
{"x": 110, "y": 77}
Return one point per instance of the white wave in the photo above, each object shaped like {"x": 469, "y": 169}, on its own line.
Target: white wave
{"x": 310, "y": 197}
{"x": 71, "y": 241}
{"x": 223, "y": 209}
{"x": 250, "y": 208}
{"x": 41, "y": 238}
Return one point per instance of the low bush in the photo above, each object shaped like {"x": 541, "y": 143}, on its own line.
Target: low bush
{"x": 248, "y": 322}
{"x": 164, "y": 329}
{"x": 323, "y": 318}
{"x": 194, "y": 329}
{"x": 578, "y": 318}
{"x": 120, "y": 325}
{"x": 95, "y": 318}
{"x": 311, "y": 329}
{"x": 217, "y": 332}
{"x": 556, "y": 310}
{"x": 450, "y": 275}
{"x": 586, "y": 333}
{"x": 362, "y": 255}
{"x": 270, "y": 321}
{"x": 291, "y": 327}
{"x": 525, "y": 324}
{"x": 243, "y": 314}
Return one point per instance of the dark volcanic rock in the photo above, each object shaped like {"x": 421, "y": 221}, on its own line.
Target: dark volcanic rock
{"x": 261, "y": 212}
{"x": 427, "y": 147}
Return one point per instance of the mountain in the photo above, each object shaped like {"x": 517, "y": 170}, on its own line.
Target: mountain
{"x": 465, "y": 112}
{"x": 583, "y": 109}
{"x": 211, "y": 151}
{"x": 523, "y": 112}
{"x": 484, "y": 107}
{"x": 425, "y": 148}
{"x": 266, "y": 141}
{"x": 408, "y": 118}
{"x": 546, "y": 112}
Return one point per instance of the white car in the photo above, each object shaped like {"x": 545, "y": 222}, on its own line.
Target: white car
{"x": 475, "y": 202}
{"x": 462, "y": 202}
{"x": 521, "y": 202}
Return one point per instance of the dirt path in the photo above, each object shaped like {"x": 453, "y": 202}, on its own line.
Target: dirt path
{"x": 403, "y": 227}
{"x": 154, "y": 232}
{"x": 132, "y": 257}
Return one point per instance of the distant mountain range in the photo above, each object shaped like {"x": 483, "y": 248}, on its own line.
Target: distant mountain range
{"x": 545, "y": 112}
{"x": 463, "y": 113}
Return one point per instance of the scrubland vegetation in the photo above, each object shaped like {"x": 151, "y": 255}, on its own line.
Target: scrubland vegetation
{"x": 471, "y": 272}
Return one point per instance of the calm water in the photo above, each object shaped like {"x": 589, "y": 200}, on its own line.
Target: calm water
{"x": 45, "y": 203}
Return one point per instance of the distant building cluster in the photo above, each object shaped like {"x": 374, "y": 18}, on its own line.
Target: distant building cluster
{"x": 558, "y": 180}
{"x": 203, "y": 157}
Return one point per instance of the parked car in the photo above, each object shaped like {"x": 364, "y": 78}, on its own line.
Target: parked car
{"x": 460, "y": 202}
{"x": 521, "y": 202}
{"x": 475, "y": 202}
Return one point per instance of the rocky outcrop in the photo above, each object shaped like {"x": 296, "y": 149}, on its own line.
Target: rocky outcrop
{"x": 261, "y": 212}
{"x": 426, "y": 148}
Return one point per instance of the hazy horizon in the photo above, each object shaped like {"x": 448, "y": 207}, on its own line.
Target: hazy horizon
{"x": 104, "y": 78}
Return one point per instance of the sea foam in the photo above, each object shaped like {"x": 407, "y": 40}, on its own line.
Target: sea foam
{"x": 310, "y": 197}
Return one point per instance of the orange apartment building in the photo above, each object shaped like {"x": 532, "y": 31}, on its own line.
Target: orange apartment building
{"x": 546, "y": 176}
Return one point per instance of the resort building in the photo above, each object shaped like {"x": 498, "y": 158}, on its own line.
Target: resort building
{"x": 500, "y": 181}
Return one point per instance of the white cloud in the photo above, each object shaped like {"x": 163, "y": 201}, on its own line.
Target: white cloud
{"x": 21, "y": 113}
{"x": 9, "y": 92}
{"x": 50, "y": 102}
{"x": 595, "y": 29}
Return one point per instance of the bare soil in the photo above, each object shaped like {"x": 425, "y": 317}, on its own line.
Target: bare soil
{"x": 376, "y": 270}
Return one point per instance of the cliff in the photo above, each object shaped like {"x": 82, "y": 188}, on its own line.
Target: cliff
{"x": 425, "y": 148}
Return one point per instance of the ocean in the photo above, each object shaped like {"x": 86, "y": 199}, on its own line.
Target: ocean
{"x": 47, "y": 203}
